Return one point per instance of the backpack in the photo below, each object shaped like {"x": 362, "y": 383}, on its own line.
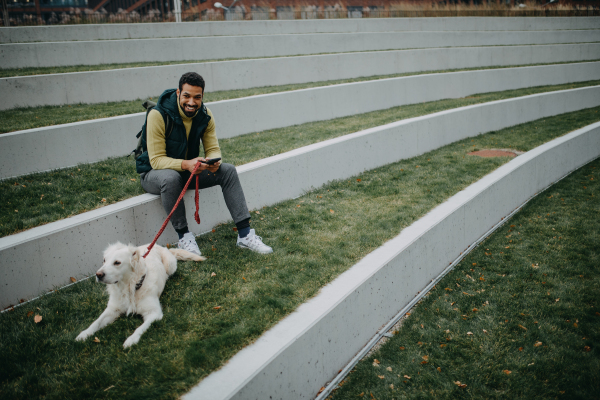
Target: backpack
{"x": 141, "y": 135}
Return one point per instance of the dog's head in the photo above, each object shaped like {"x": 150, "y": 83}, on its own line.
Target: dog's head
{"x": 120, "y": 261}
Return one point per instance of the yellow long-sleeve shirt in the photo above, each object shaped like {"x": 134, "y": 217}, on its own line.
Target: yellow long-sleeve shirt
{"x": 157, "y": 148}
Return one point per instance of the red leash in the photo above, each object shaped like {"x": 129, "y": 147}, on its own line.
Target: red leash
{"x": 196, "y": 215}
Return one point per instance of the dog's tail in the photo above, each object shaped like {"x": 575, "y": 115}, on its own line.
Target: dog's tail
{"x": 184, "y": 255}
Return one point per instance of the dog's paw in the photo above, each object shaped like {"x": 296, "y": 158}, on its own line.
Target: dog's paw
{"x": 130, "y": 341}
{"x": 82, "y": 336}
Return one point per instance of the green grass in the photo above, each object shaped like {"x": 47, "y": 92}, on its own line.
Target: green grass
{"x": 529, "y": 294}
{"x": 315, "y": 238}
{"x": 73, "y": 191}
{"x": 36, "y": 117}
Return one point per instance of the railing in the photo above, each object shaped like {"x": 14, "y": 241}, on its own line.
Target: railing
{"x": 87, "y": 16}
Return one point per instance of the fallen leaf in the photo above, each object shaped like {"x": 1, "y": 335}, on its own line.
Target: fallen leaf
{"x": 96, "y": 340}
{"x": 537, "y": 344}
{"x": 474, "y": 264}
{"x": 381, "y": 376}
{"x": 482, "y": 278}
{"x": 401, "y": 348}
{"x": 425, "y": 358}
{"x": 331, "y": 211}
{"x": 133, "y": 180}
{"x": 37, "y": 318}
{"x": 392, "y": 386}
{"x": 407, "y": 377}
{"x": 73, "y": 280}
{"x": 507, "y": 372}
{"x": 469, "y": 333}
{"x": 484, "y": 331}
{"x": 520, "y": 349}
{"x": 257, "y": 212}
{"x": 103, "y": 200}
{"x": 213, "y": 274}
{"x": 358, "y": 180}
{"x": 442, "y": 345}
{"x": 235, "y": 229}
{"x": 475, "y": 310}
{"x": 214, "y": 230}
{"x": 557, "y": 299}
{"x": 217, "y": 307}
{"x": 29, "y": 314}
{"x": 423, "y": 362}
{"x": 439, "y": 369}
{"x": 320, "y": 390}
{"x": 587, "y": 348}
{"x": 389, "y": 369}
{"x": 522, "y": 327}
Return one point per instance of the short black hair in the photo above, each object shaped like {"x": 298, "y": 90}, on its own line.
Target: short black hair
{"x": 191, "y": 78}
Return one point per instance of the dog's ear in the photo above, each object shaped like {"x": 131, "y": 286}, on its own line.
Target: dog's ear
{"x": 135, "y": 255}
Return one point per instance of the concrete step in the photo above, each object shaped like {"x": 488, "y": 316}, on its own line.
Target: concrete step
{"x": 141, "y": 83}
{"x": 43, "y": 258}
{"x": 303, "y": 352}
{"x": 67, "y": 145}
{"x": 53, "y": 54}
{"x": 188, "y": 29}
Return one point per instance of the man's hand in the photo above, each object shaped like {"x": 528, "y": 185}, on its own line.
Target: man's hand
{"x": 189, "y": 165}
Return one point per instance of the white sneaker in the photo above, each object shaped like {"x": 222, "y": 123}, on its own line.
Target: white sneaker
{"x": 254, "y": 243}
{"x": 188, "y": 242}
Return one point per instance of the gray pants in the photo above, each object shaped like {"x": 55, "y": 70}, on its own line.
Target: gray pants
{"x": 169, "y": 184}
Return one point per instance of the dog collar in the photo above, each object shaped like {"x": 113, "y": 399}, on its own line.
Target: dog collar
{"x": 139, "y": 284}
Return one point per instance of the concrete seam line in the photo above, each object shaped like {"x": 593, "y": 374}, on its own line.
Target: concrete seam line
{"x": 283, "y": 109}
{"x": 334, "y": 383}
{"x": 313, "y": 314}
{"x": 263, "y": 185}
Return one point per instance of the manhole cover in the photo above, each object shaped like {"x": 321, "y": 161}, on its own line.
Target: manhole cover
{"x": 496, "y": 153}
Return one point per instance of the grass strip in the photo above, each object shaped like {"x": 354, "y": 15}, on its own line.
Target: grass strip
{"x": 518, "y": 318}
{"x": 36, "y": 117}
{"x": 37, "y": 199}
{"x": 315, "y": 238}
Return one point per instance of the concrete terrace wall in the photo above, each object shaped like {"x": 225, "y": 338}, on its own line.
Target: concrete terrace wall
{"x": 89, "y": 141}
{"x": 50, "y": 54}
{"x": 302, "y": 353}
{"x": 39, "y": 259}
{"x": 141, "y": 83}
{"x": 163, "y": 30}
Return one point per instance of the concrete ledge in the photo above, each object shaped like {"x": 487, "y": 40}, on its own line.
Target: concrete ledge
{"x": 40, "y": 259}
{"x": 304, "y": 351}
{"x": 141, "y": 83}
{"x": 85, "y": 142}
{"x": 50, "y": 54}
{"x": 163, "y": 30}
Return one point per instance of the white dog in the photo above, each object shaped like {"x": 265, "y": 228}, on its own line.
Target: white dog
{"x": 134, "y": 284}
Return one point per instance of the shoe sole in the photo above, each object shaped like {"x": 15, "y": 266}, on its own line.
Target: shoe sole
{"x": 256, "y": 251}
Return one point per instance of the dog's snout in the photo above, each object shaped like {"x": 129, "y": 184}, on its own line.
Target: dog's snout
{"x": 99, "y": 275}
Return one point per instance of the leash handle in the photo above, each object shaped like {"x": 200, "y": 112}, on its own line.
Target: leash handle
{"x": 196, "y": 215}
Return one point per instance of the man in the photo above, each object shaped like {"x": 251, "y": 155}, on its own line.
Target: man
{"x": 171, "y": 144}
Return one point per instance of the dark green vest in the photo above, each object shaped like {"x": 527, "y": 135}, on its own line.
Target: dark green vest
{"x": 177, "y": 144}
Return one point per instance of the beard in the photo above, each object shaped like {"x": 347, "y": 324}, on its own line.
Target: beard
{"x": 187, "y": 113}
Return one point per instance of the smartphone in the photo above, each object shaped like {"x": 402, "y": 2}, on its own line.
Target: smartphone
{"x": 211, "y": 161}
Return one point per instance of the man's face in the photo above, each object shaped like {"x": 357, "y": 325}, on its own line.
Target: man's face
{"x": 190, "y": 99}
